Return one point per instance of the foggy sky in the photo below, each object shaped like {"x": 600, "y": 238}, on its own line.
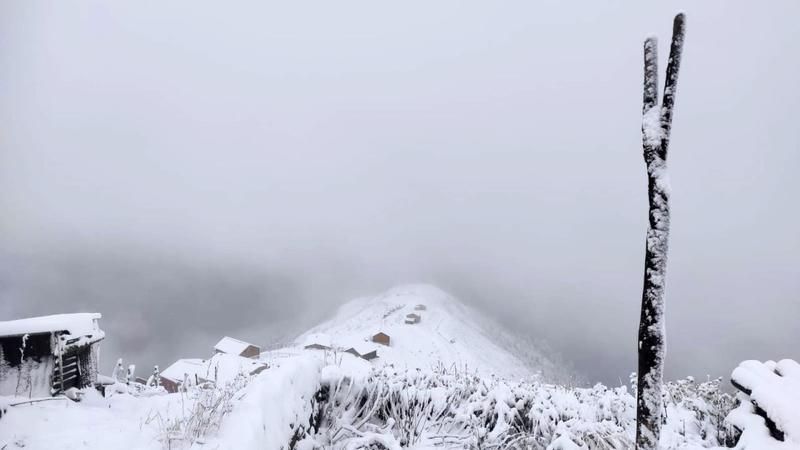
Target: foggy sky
{"x": 194, "y": 169}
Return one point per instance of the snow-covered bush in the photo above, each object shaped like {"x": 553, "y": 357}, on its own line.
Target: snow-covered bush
{"x": 449, "y": 408}
{"x": 202, "y": 410}
{"x": 700, "y": 409}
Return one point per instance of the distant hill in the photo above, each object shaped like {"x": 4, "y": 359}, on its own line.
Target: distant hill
{"x": 448, "y": 334}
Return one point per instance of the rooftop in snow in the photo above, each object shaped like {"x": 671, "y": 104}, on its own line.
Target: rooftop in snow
{"x": 231, "y": 345}
{"x": 77, "y": 324}
{"x": 187, "y": 366}
{"x": 321, "y": 339}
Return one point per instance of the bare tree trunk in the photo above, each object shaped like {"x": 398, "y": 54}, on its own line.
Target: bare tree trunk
{"x": 656, "y": 127}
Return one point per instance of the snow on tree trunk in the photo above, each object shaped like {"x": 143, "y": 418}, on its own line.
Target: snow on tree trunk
{"x": 129, "y": 376}
{"x": 155, "y": 378}
{"x": 119, "y": 373}
{"x": 656, "y": 126}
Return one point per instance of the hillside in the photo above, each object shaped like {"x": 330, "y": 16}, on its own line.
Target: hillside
{"x": 449, "y": 334}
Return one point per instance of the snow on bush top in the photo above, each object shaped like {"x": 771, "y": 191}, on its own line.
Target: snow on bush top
{"x": 775, "y": 388}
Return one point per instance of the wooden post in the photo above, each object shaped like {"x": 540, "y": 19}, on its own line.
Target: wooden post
{"x": 656, "y": 127}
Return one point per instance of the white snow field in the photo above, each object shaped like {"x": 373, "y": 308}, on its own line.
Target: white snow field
{"x": 449, "y": 334}
{"x": 452, "y": 380}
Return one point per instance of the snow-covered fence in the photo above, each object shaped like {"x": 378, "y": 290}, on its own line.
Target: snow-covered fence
{"x": 769, "y": 414}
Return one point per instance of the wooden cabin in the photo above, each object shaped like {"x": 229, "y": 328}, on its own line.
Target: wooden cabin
{"x": 191, "y": 371}
{"x": 413, "y": 318}
{"x": 236, "y": 347}
{"x": 220, "y": 369}
{"x": 381, "y": 338}
{"x": 48, "y": 355}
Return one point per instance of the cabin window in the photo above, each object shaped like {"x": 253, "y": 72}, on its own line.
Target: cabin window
{"x": 37, "y": 346}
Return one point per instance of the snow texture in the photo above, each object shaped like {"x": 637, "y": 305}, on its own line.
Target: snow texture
{"x": 774, "y": 388}
{"x": 651, "y": 127}
{"x": 274, "y": 407}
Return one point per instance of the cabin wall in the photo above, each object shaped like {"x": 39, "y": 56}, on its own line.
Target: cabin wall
{"x": 170, "y": 385}
{"x": 251, "y": 352}
{"x": 381, "y": 338}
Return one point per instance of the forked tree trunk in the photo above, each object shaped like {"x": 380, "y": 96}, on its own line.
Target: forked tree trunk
{"x": 656, "y": 126}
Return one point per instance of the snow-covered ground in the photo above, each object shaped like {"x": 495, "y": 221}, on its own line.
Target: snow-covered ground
{"x": 453, "y": 380}
{"x": 449, "y": 334}
{"x": 260, "y": 414}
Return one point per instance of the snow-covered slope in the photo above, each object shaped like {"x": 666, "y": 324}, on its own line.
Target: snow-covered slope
{"x": 449, "y": 333}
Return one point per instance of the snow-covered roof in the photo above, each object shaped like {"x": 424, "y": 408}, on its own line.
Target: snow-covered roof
{"x": 77, "y": 324}
{"x": 226, "y": 366}
{"x": 188, "y": 367}
{"x": 362, "y": 348}
{"x": 232, "y": 346}
{"x": 318, "y": 339}
{"x": 223, "y": 366}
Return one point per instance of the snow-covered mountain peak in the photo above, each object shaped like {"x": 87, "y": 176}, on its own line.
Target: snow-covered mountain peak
{"x": 428, "y": 328}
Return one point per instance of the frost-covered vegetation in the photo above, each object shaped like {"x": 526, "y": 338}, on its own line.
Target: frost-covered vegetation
{"x": 450, "y": 409}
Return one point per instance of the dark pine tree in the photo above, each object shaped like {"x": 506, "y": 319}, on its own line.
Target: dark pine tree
{"x": 656, "y": 126}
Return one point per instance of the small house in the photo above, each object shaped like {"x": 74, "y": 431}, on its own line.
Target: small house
{"x": 381, "y": 338}
{"x": 318, "y": 341}
{"x": 48, "y": 355}
{"x": 236, "y": 347}
{"x": 420, "y": 307}
{"x": 192, "y": 371}
{"x": 413, "y": 318}
{"x": 364, "y": 350}
{"x": 220, "y": 369}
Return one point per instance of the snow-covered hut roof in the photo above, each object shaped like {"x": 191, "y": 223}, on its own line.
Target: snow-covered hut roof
{"x": 362, "y": 348}
{"x": 223, "y": 366}
{"x": 77, "y": 324}
{"x": 226, "y": 367}
{"x": 232, "y": 346}
{"x": 320, "y": 339}
{"x": 186, "y": 367}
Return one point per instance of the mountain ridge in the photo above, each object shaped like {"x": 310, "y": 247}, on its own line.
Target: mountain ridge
{"x": 450, "y": 333}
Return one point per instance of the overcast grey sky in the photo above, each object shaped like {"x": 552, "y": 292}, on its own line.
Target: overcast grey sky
{"x": 198, "y": 168}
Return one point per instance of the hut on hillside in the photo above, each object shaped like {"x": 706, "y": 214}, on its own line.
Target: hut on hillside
{"x": 364, "y": 350}
{"x": 413, "y": 318}
{"x": 48, "y": 355}
{"x": 236, "y": 347}
{"x": 186, "y": 371}
{"x": 381, "y": 338}
{"x": 220, "y": 369}
{"x": 318, "y": 341}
